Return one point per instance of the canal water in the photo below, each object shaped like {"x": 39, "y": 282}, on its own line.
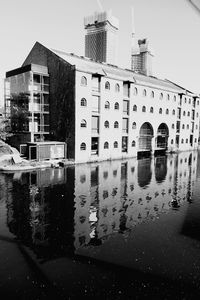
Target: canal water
{"x": 126, "y": 229}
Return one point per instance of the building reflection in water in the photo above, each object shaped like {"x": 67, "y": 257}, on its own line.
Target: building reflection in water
{"x": 58, "y": 211}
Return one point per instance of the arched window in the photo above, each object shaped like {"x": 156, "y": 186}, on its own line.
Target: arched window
{"x": 107, "y": 85}
{"x": 152, "y": 94}
{"x": 133, "y": 144}
{"x": 143, "y": 108}
{"x": 107, "y": 104}
{"x": 151, "y": 109}
{"x": 115, "y": 144}
{"x": 83, "y": 102}
{"x": 83, "y": 146}
{"x": 134, "y": 107}
{"x": 183, "y": 126}
{"x": 182, "y": 141}
{"x": 188, "y": 114}
{"x": 117, "y": 87}
{"x": 160, "y": 111}
{"x": 186, "y": 141}
{"x": 135, "y": 91}
{"x": 197, "y": 114}
{"x": 188, "y": 126}
{"x": 172, "y": 126}
{"x": 196, "y": 126}
{"x": 167, "y": 111}
{"x": 172, "y": 141}
{"x": 106, "y": 145}
{"x": 189, "y": 101}
{"x": 185, "y": 100}
{"x": 83, "y": 123}
{"x": 144, "y": 93}
{"x": 195, "y": 140}
{"x": 116, "y": 105}
{"x": 116, "y": 124}
{"x": 198, "y": 102}
{"x": 168, "y": 97}
{"x": 184, "y": 113}
{"x": 161, "y": 96}
{"x": 83, "y": 81}
{"x": 173, "y": 112}
{"x": 134, "y": 125}
{"x": 174, "y": 98}
{"x": 106, "y": 124}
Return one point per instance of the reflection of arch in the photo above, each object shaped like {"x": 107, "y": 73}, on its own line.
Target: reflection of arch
{"x": 146, "y": 134}
{"x": 162, "y": 136}
{"x": 144, "y": 172}
{"x": 160, "y": 168}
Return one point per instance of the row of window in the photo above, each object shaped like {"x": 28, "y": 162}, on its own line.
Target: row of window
{"x": 135, "y": 92}
{"x": 182, "y": 141}
{"x": 106, "y": 145}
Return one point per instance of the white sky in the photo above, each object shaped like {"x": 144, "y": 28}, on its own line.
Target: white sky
{"x": 172, "y": 27}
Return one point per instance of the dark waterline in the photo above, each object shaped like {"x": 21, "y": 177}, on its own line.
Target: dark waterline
{"x": 114, "y": 230}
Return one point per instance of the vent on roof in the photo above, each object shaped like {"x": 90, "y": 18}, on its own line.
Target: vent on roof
{"x": 72, "y": 54}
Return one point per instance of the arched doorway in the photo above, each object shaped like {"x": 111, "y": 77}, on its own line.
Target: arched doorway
{"x": 145, "y": 137}
{"x": 162, "y": 137}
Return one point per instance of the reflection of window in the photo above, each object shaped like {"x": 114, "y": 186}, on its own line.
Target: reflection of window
{"x": 134, "y": 125}
{"x": 182, "y": 141}
{"x": 133, "y": 143}
{"x": 115, "y": 144}
{"x": 116, "y": 105}
{"x": 107, "y": 104}
{"x": 106, "y": 145}
{"x": 106, "y": 124}
{"x": 116, "y": 124}
{"x": 83, "y": 102}
{"x": 83, "y": 123}
{"x": 83, "y": 81}
{"x": 172, "y": 141}
{"x": 83, "y": 146}
{"x": 183, "y": 126}
{"x": 107, "y": 85}
{"x": 172, "y": 126}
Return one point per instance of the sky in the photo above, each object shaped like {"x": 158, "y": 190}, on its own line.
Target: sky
{"x": 171, "y": 26}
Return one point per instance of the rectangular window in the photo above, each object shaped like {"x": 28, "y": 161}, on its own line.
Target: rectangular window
{"x": 95, "y": 124}
{"x": 125, "y": 125}
{"x": 124, "y": 144}
{"x": 126, "y": 107}
{"x": 94, "y": 145}
{"x": 95, "y": 84}
{"x": 126, "y": 89}
{"x": 95, "y": 104}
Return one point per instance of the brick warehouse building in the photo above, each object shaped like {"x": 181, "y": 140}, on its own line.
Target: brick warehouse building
{"x": 100, "y": 110}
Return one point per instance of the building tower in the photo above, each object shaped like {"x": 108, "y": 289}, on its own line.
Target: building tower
{"x": 101, "y": 37}
{"x": 141, "y": 56}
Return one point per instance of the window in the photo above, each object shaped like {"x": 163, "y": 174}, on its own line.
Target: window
{"x": 106, "y": 124}
{"x": 198, "y": 102}
{"x": 83, "y": 81}
{"x": 183, "y": 126}
{"x": 133, "y": 144}
{"x": 188, "y": 114}
{"x": 126, "y": 107}
{"x": 168, "y": 97}
{"x": 161, "y": 96}
{"x": 188, "y": 126}
{"x": 172, "y": 126}
{"x": 117, "y": 88}
{"x": 116, "y": 124}
{"x": 152, "y": 94}
{"x": 183, "y": 113}
{"x": 116, "y": 105}
{"x": 115, "y": 144}
{"x": 185, "y": 100}
{"x": 95, "y": 124}
{"x": 135, "y": 91}
{"x": 144, "y": 93}
{"x": 172, "y": 141}
{"x": 182, "y": 141}
{"x": 189, "y": 101}
{"x": 174, "y": 98}
{"x": 197, "y": 115}
{"x": 134, "y": 125}
{"x": 83, "y": 123}
{"x": 173, "y": 112}
{"x": 106, "y": 145}
{"x": 134, "y": 107}
{"x": 83, "y": 146}
{"x": 107, "y": 85}
{"x": 186, "y": 143}
{"x": 160, "y": 111}
{"x": 196, "y": 126}
{"x": 107, "y": 105}
{"x": 151, "y": 109}
{"x": 143, "y": 108}
{"x": 83, "y": 102}
{"x": 195, "y": 140}
{"x": 167, "y": 111}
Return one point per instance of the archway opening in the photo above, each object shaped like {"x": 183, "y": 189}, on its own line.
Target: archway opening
{"x": 145, "y": 137}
